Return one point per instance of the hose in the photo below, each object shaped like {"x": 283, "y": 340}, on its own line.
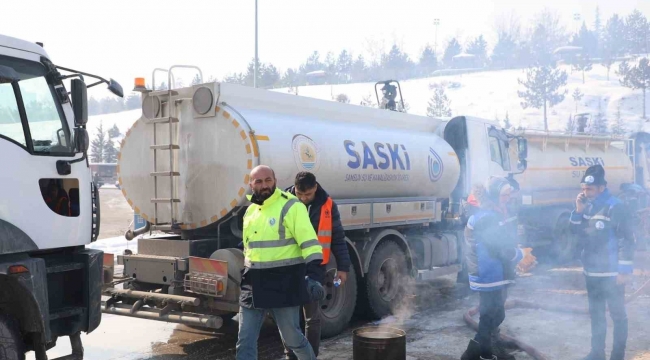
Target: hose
{"x": 511, "y": 304}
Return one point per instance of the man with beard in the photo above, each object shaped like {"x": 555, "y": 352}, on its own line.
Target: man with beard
{"x": 326, "y": 219}
{"x": 282, "y": 266}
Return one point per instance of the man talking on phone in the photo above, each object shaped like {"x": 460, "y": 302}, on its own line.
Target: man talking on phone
{"x": 600, "y": 221}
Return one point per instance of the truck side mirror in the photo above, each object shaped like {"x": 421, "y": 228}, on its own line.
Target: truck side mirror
{"x": 81, "y": 140}
{"x": 522, "y": 165}
{"x": 522, "y": 148}
{"x": 115, "y": 88}
{"x": 79, "y": 102}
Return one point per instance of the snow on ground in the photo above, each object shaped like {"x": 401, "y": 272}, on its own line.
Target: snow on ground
{"x": 115, "y": 245}
{"x": 492, "y": 94}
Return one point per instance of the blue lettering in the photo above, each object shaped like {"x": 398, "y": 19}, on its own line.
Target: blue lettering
{"x": 589, "y": 161}
{"x": 581, "y": 161}
{"x": 394, "y": 155}
{"x": 368, "y": 157}
{"x": 602, "y": 162}
{"x": 406, "y": 156}
{"x": 349, "y": 149}
{"x": 573, "y": 161}
{"x": 380, "y": 153}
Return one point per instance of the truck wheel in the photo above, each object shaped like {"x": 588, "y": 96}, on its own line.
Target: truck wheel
{"x": 386, "y": 275}
{"x": 338, "y": 306}
{"x": 564, "y": 244}
{"x": 11, "y": 344}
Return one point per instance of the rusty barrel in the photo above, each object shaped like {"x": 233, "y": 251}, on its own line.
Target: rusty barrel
{"x": 378, "y": 343}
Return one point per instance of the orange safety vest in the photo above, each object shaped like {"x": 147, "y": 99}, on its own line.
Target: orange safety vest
{"x": 325, "y": 229}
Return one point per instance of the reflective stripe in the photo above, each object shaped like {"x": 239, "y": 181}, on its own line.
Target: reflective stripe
{"x": 508, "y": 220}
{"x": 600, "y": 217}
{"x": 315, "y": 256}
{"x": 309, "y": 243}
{"x": 264, "y": 244}
{"x": 470, "y": 226}
{"x": 283, "y": 213}
{"x": 625, "y": 262}
{"x": 273, "y": 264}
{"x": 601, "y": 274}
{"x": 494, "y": 284}
{"x": 325, "y": 229}
{"x": 324, "y": 232}
{"x": 575, "y": 222}
{"x": 586, "y": 216}
{"x": 326, "y": 245}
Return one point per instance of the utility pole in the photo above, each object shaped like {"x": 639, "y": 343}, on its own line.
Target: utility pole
{"x": 436, "y": 22}
{"x": 256, "y": 58}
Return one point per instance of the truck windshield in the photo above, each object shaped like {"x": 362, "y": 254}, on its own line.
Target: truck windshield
{"x": 30, "y": 114}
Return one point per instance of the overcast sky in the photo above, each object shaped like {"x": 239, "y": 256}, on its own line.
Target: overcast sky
{"x": 128, "y": 38}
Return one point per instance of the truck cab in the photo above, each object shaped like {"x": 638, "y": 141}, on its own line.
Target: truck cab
{"x": 50, "y": 206}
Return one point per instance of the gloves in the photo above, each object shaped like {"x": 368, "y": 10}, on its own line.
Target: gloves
{"x": 528, "y": 262}
{"x": 315, "y": 290}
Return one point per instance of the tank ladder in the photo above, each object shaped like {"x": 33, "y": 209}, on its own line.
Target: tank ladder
{"x": 170, "y": 146}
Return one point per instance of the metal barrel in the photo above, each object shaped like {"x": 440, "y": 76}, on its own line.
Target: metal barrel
{"x": 379, "y": 343}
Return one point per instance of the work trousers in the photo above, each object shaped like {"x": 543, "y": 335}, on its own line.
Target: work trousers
{"x": 492, "y": 313}
{"x": 311, "y": 312}
{"x": 603, "y": 292}
{"x": 288, "y": 322}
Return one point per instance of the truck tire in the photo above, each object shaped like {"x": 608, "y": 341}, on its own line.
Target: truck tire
{"x": 11, "y": 344}
{"x": 385, "y": 277}
{"x": 564, "y": 243}
{"x": 338, "y": 306}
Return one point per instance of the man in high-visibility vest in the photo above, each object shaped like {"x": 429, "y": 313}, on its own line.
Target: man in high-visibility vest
{"x": 326, "y": 220}
{"x": 282, "y": 266}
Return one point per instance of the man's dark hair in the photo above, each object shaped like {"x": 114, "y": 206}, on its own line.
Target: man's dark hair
{"x": 305, "y": 181}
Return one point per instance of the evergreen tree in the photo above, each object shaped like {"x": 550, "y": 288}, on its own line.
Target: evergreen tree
{"x": 614, "y": 36}
{"x": 506, "y": 122}
{"x": 98, "y": 144}
{"x": 587, "y": 40}
{"x": 637, "y": 32}
{"x": 359, "y": 70}
{"x": 541, "y": 47}
{"x": 570, "y": 125}
{"x": 598, "y": 33}
{"x": 439, "y": 104}
{"x": 504, "y": 55}
{"x": 542, "y": 88}
{"x": 428, "y": 61}
{"x": 599, "y": 123}
{"x": 453, "y": 49}
{"x": 478, "y": 48}
{"x": 638, "y": 77}
{"x": 344, "y": 66}
{"x": 397, "y": 63}
{"x": 583, "y": 63}
{"x": 196, "y": 80}
{"x": 618, "y": 128}
{"x": 110, "y": 152}
{"x": 331, "y": 74}
{"x": 270, "y": 76}
{"x": 133, "y": 102}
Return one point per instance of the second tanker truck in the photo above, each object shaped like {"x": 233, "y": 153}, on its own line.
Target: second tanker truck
{"x": 398, "y": 180}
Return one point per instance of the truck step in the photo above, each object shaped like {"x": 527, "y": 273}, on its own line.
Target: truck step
{"x": 66, "y": 312}
{"x": 161, "y": 227}
{"x": 64, "y": 267}
{"x": 165, "y": 173}
{"x": 162, "y": 120}
{"x": 165, "y": 200}
{"x": 162, "y": 93}
{"x": 165, "y": 147}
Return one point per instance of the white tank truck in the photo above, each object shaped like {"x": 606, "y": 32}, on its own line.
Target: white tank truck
{"x": 556, "y": 163}
{"x": 398, "y": 180}
{"x": 50, "y": 284}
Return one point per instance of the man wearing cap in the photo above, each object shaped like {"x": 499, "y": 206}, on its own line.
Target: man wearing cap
{"x": 600, "y": 220}
{"x": 492, "y": 255}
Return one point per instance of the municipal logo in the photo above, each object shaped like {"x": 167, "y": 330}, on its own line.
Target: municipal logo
{"x": 272, "y": 221}
{"x": 600, "y": 225}
{"x": 306, "y": 153}
{"x": 589, "y": 179}
{"x": 435, "y": 166}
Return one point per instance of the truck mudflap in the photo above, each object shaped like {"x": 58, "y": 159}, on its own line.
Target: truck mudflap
{"x": 171, "y": 312}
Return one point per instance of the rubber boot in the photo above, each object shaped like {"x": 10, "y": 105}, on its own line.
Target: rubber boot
{"x": 473, "y": 351}
{"x": 498, "y": 347}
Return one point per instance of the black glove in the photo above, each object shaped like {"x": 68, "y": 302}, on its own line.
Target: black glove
{"x": 315, "y": 290}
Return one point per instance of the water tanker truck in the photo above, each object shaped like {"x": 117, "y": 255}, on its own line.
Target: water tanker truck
{"x": 398, "y": 179}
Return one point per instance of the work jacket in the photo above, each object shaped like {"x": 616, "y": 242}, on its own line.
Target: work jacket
{"x": 605, "y": 237}
{"x": 492, "y": 252}
{"x": 280, "y": 249}
{"x": 338, "y": 245}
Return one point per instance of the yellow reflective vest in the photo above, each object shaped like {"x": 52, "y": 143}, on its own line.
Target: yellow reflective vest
{"x": 279, "y": 233}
